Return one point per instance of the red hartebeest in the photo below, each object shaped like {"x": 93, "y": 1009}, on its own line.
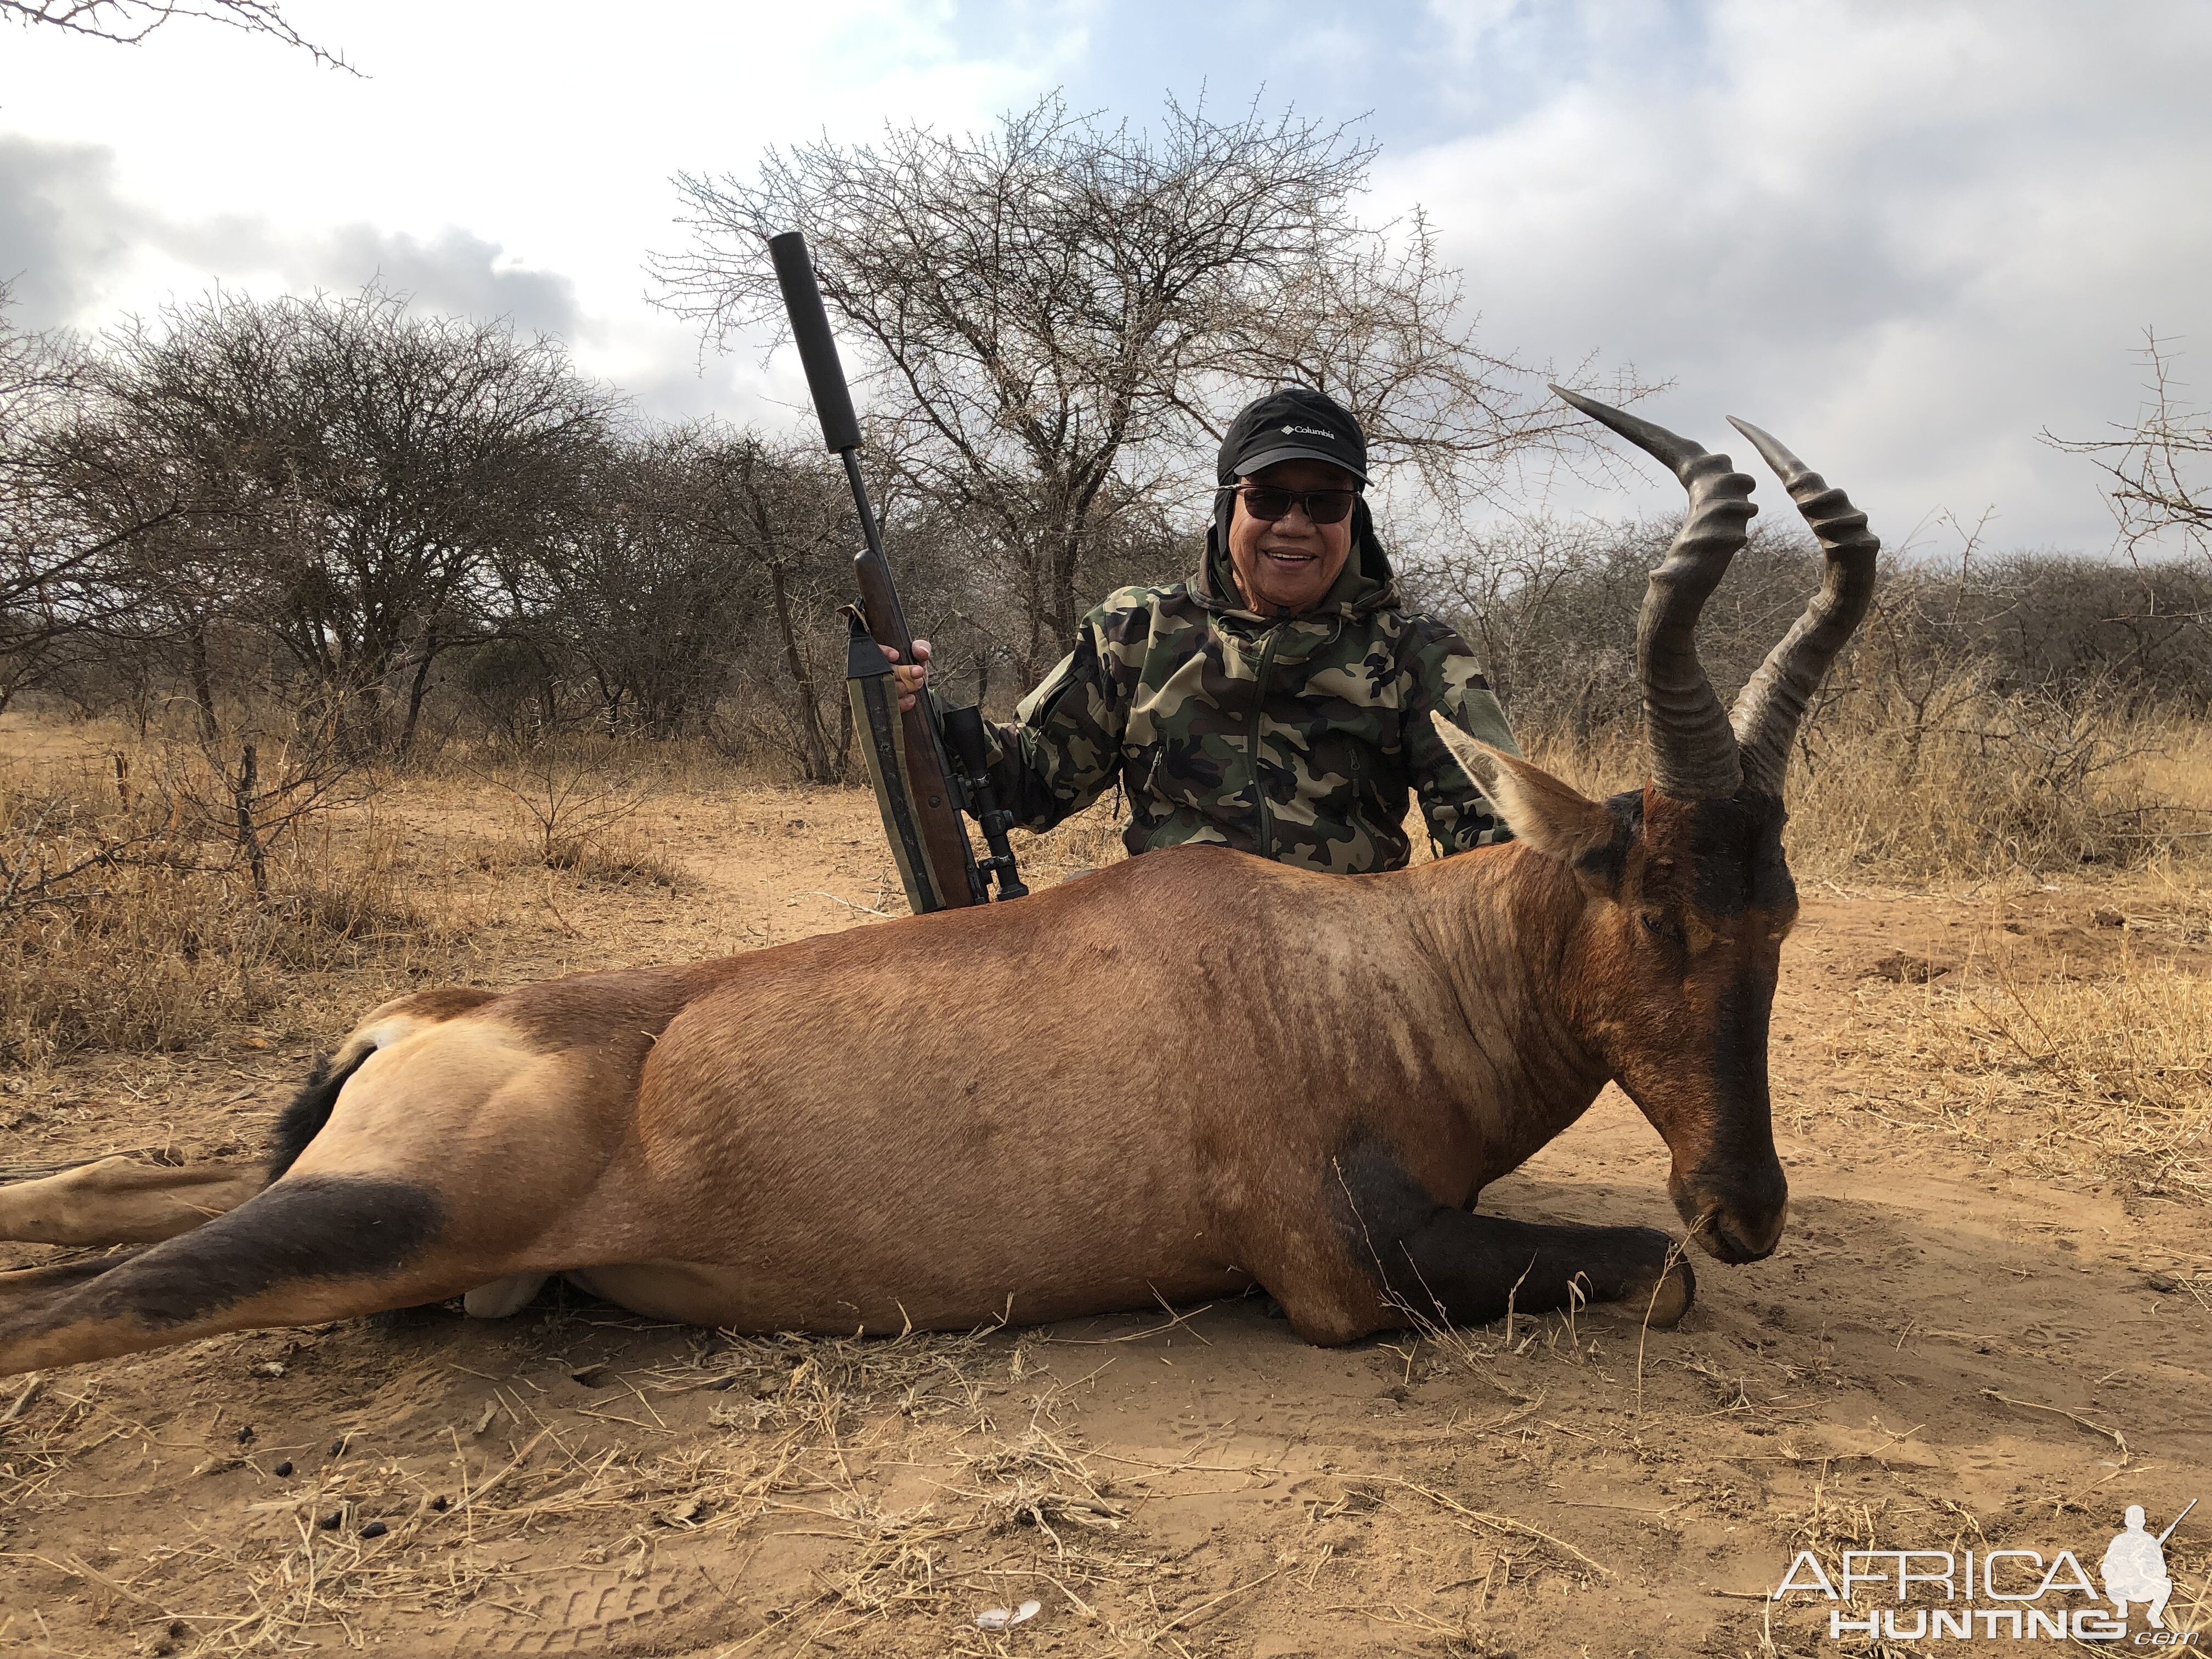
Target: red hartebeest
{"x": 1190, "y": 1072}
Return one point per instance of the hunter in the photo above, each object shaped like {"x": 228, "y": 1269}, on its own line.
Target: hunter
{"x": 1279, "y": 701}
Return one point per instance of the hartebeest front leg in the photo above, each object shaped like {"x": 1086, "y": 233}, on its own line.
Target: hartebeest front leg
{"x": 1439, "y": 1262}
{"x": 1461, "y": 1268}
{"x": 120, "y": 1201}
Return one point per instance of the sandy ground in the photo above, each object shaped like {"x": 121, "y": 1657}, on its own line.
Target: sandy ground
{"x": 1947, "y": 1353}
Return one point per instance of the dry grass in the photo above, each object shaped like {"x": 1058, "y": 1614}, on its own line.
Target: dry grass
{"x": 1091, "y": 840}
{"x": 158, "y": 942}
{"x": 1965, "y": 786}
{"x": 570, "y": 798}
{"x": 2095, "y": 1070}
{"x": 2001, "y": 790}
{"x": 2111, "y": 1075}
{"x": 164, "y": 940}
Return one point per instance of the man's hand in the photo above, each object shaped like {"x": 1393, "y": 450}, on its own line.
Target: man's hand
{"x": 911, "y": 677}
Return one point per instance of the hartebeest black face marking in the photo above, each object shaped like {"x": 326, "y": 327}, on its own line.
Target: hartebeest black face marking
{"x": 1735, "y": 853}
{"x": 1697, "y": 901}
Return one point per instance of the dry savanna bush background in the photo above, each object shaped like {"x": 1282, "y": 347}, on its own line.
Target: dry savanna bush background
{"x": 1993, "y": 733}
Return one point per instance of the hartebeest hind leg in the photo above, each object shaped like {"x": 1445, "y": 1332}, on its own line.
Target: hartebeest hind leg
{"x": 410, "y": 1189}
{"x": 120, "y": 1201}
{"x": 304, "y": 1250}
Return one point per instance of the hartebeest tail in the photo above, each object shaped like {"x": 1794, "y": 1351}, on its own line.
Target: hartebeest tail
{"x": 1194, "y": 1072}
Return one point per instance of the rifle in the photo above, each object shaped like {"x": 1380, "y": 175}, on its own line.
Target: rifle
{"x": 2178, "y": 1520}
{"x": 923, "y": 798}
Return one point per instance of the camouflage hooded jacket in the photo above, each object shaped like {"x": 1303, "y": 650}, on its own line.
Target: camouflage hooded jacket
{"x": 1295, "y": 738}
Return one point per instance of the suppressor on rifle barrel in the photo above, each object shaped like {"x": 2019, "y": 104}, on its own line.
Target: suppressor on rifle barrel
{"x": 818, "y": 347}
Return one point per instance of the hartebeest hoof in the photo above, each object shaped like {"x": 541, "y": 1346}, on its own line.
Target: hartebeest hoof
{"x": 1662, "y": 1303}
{"x": 503, "y": 1298}
{"x": 1649, "y": 1282}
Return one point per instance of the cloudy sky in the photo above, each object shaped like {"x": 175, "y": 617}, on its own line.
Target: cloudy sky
{"x": 1906, "y": 236}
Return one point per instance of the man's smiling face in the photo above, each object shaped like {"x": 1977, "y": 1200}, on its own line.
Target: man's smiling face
{"x": 1289, "y": 564}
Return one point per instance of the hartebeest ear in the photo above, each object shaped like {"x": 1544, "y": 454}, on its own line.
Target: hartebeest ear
{"x": 1555, "y": 820}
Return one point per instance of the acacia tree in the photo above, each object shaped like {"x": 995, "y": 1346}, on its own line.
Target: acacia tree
{"x": 55, "y": 598}
{"x": 1054, "y": 315}
{"x": 2159, "y": 471}
{"x": 128, "y": 22}
{"x": 169, "y": 565}
{"x": 355, "y": 470}
{"x": 637, "y": 588}
{"x": 785, "y": 517}
{"x": 701, "y": 558}
{"x": 35, "y": 561}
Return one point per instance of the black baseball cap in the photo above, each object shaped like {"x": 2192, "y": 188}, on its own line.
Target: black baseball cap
{"x": 1295, "y": 424}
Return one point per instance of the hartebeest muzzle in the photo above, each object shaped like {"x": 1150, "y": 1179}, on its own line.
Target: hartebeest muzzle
{"x": 1735, "y": 1212}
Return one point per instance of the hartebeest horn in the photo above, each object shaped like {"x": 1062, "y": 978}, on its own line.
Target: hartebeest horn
{"x": 1774, "y": 700}
{"x": 1693, "y": 747}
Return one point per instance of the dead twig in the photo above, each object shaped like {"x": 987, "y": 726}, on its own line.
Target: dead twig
{"x": 1495, "y": 1522}
{"x": 1193, "y": 1612}
{"x": 1174, "y": 1320}
{"x": 2112, "y": 1435}
{"x": 23, "y": 1399}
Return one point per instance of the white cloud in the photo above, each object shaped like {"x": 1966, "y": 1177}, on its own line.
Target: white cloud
{"x": 514, "y": 157}
{"x": 1907, "y": 238}
{"x": 61, "y": 227}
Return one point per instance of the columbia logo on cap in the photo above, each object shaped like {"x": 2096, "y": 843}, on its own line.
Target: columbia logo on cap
{"x": 1309, "y": 431}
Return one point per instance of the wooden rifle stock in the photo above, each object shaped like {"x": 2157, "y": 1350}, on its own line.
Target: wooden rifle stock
{"x": 936, "y": 802}
{"x": 932, "y": 802}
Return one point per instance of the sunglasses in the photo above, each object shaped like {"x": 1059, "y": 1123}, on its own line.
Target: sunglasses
{"x": 1269, "y": 502}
